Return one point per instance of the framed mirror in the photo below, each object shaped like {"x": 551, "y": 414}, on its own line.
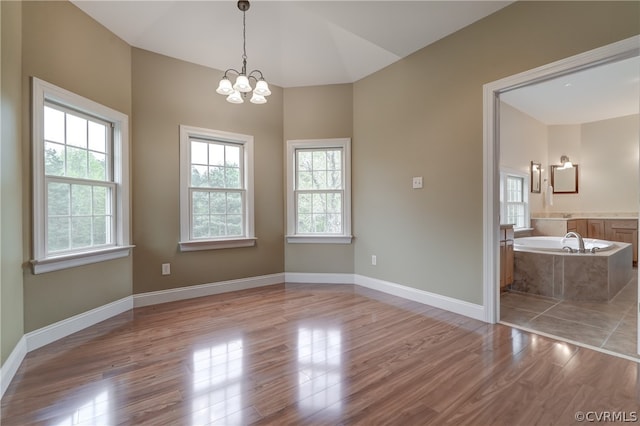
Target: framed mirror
{"x": 564, "y": 181}
{"x": 535, "y": 177}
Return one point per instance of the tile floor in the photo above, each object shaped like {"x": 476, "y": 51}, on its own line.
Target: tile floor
{"x": 611, "y": 325}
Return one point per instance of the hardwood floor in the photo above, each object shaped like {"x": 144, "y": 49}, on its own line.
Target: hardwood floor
{"x": 312, "y": 354}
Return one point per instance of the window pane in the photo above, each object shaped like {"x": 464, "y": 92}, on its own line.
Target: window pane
{"x": 218, "y": 202}
{"x": 334, "y": 180}
{"x": 58, "y": 199}
{"x": 304, "y": 161}
{"x": 101, "y": 204}
{"x": 199, "y": 176}
{"x": 305, "y": 223}
{"x": 334, "y": 160}
{"x": 100, "y": 230}
{"x": 232, "y": 177}
{"x": 53, "y": 159}
{"x": 320, "y": 179}
{"x": 218, "y": 226}
{"x": 97, "y": 137}
{"x": 200, "y": 203}
{"x": 304, "y": 203}
{"x": 234, "y": 203}
{"x": 198, "y": 153}
{"x": 216, "y": 154}
{"x": 216, "y": 177}
{"x": 200, "y": 226}
{"x": 97, "y": 166}
{"x": 233, "y": 156}
{"x": 319, "y": 160}
{"x": 334, "y": 223}
{"x": 234, "y": 225}
{"x": 53, "y": 125}
{"x": 58, "y": 234}
{"x": 320, "y": 223}
{"x": 77, "y": 163}
{"x": 334, "y": 203}
{"x": 319, "y": 203}
{"x": 80, "y": 200}
{"x": 81, "y": 232}
{"x": 76, "y": 131}
{"x": 305, "y": 180}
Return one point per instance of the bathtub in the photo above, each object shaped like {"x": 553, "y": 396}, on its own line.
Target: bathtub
{"x": 556, "y": 244}
{"x": 543, "y": 268}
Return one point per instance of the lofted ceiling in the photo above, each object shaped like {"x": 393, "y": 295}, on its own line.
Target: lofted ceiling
{"x": 308, "y": 43}
{"x": 294, "y": 43}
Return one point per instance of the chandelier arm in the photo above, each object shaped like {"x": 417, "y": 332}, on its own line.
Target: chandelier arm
{"x": 230, "y": 70}
{"x": 256, "y": 72}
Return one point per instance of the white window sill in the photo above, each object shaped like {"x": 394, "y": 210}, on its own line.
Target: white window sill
{"x": 319, "y": 239}
{"x": 217, "y": 244}
{"x": 50, "y": 264}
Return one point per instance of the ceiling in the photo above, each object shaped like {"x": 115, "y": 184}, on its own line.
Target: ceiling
{"x": 308, "y": 43}
{"x": 294, "y": 43}
{"x": 597, "y": 93}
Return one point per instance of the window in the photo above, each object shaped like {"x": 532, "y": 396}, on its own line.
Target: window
{"x": 216, "y": 189}
{"x": 514, "y": 202}
{"x": 319, "y": 191}
{"x": 80, "y": 178}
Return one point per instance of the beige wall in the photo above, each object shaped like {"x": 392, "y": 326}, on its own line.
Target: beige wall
{"x": 64, "y": 46}
{"x": 607, "y": 156}
{"x": 11, "y": 295}
{"x": 319, "y": 112}
{"x": 422, "y": 116}
{"x": 523, "y": 139}
{"x": 167, "y": 93}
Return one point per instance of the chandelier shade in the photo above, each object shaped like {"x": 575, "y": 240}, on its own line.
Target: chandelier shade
{"x": 242, "y": 87}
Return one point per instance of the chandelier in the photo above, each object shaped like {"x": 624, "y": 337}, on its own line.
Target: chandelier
{"x": 237, "y": 92}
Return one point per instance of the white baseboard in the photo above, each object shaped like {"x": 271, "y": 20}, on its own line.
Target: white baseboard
{"x": 313, "y": 278}
{"x": 11, "y": 365}
{"x": 450, "y": 304}
{"x": 174, "y": 294}
{"x": 45, "y": 335}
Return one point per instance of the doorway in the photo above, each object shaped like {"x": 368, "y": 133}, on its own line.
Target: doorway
{"x": 607, "y": 55}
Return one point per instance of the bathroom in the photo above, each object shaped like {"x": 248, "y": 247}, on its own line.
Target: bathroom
{"x": 585, "y": 298}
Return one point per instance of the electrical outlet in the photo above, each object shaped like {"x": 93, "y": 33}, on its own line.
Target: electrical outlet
{"x": 166, "y": 269}
{"x": 417, "y": 182}
{"x": 374, "y": 260}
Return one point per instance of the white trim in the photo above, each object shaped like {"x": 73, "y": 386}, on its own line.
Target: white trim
{"x": 79, "y": 259}
{"x": 45, "y": 335}
{"x": 317, "y": 239}
{"x": 186, "y": 243}
{"x": 10, "y": 367}
{"x": 491, "y": 149}
{"x": 345, "y": 145}
{"x": 319, "y": 278}
{"x": 182, "y": 293}
{"x": 41, "y": 92}
{"x": 196, "y": 245}
{"x": 450, "y": 304}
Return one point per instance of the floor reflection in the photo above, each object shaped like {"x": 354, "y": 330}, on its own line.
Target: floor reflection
{"x": 94, "y": 412}
{"x": 217, "y": 383}
{"x": 319, "y": 368}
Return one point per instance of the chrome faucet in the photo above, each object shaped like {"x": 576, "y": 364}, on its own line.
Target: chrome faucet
{"x": 580, "y": 240}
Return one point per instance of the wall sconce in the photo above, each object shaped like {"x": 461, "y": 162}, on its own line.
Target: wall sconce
{"x": 566, "y": 163}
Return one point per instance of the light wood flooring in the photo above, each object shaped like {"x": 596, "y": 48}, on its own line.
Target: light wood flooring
{"x": 312, "y": 354}
{"x": 608, "y": 325}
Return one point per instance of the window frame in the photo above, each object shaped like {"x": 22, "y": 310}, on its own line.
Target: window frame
{"x": 504, "y": 174}
{"x": 318, "y": 144}
{"x": 187, "y": 243}
{"x": 42, "y": 262}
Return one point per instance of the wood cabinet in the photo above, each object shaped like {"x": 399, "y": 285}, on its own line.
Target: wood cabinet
{"x": 625, "y": 231}
{"x": 577, "y": 225}
{"x": 595, "y": 229}
{"x": 506, "y": 256}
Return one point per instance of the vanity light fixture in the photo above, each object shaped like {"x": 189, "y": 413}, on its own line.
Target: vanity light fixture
{"x": 236, "y": 93}
{"x": 566, "y": 163}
